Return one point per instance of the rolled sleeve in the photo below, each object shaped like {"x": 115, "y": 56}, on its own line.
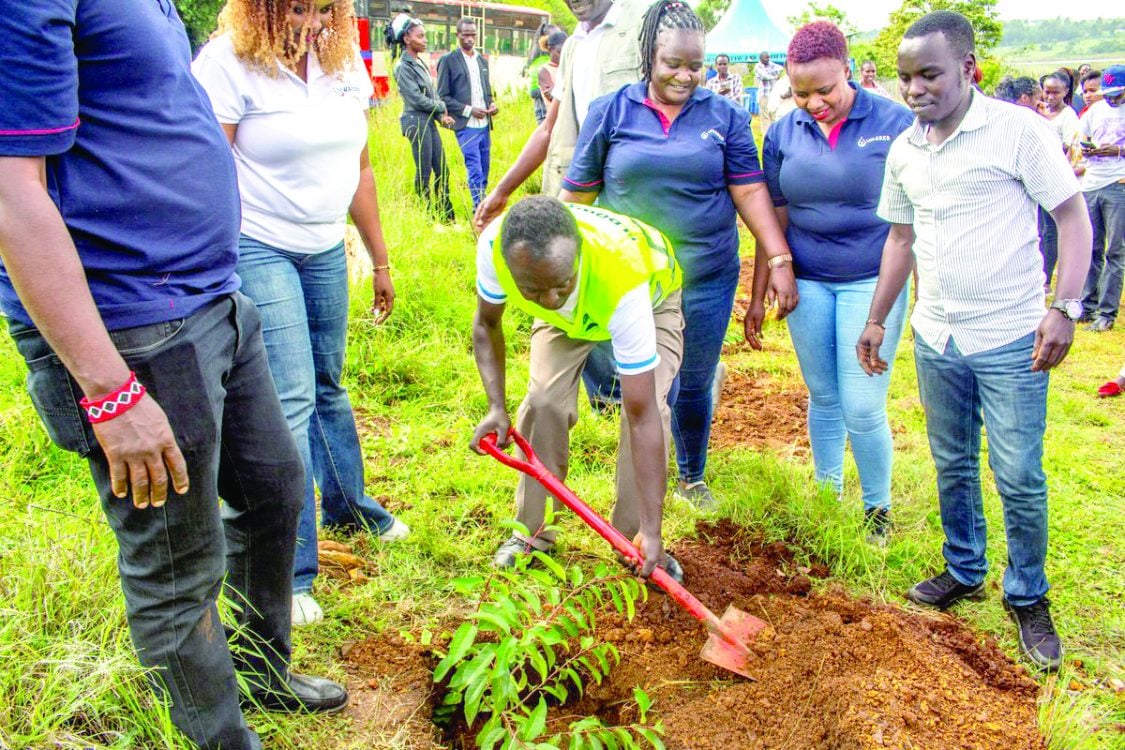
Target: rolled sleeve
{"x": 771, "y": 165}
{"x": 894, "y": 204}
{"x": 38, "y": 78}
{"x": 587, "y": 170}
{"x": 741, "y": 165}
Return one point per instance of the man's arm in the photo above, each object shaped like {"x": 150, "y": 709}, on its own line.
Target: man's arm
{"x": 894, "y": 270}
{"x": 531, "y": 158}
{"x": 364, "y": 210}
{"x": 488, "y": 350}
{"x": 48, "y": 277}
{"x": 650, "y": 462}
{"x": 1055, "y": 333}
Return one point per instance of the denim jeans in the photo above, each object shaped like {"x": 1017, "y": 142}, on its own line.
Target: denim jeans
{"x": 844, "y": 401}
{"x": 209, "y": 374}
{"x": 998, "y": 390}
{"x": 1101, "y": 296}
{"x": 476, "y": 146}
{"x": 1048, "y": 244}
{"x": 303, "y": 301}
{"x": 707, "y": 304}
{"x": 599, "y": 375}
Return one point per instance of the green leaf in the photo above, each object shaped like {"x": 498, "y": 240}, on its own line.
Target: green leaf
{"x": 644, "y": 703}
{"x": 492, "y": 622}
{"x": 458, "y": 647}
{"x": 536, "y": 722}
{"x": 550, "y": 564}
{"x": 473, "y": 696}
{"x": 467, "y": 585}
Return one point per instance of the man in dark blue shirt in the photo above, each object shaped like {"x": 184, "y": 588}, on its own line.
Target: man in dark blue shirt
{"x": 118, "y": 235}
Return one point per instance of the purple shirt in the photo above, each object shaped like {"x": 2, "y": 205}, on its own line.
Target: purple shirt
{"x": 674, "y": 176}
{"x": 136, "y": 162}
{"x": 831, "y": 186}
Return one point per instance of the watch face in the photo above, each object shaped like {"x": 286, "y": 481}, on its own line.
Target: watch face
{"x": 1070, "y": 308}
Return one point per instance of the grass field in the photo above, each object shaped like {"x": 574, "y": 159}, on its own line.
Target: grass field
{"x": 68, "y": 676}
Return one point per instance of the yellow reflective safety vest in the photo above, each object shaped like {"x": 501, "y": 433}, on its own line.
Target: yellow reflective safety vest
{"x": 618, "y": 254}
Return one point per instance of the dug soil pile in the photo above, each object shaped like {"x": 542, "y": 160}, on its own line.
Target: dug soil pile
{"x": 832, "y": 672}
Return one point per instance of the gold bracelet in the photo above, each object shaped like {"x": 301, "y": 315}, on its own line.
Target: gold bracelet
{"x": 778, "y": 260}
{"x": 382, "y": 268}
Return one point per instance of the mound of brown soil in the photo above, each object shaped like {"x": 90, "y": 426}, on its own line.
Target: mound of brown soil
{"x": 761, "y": 412}
{"x": 832, "y": 672}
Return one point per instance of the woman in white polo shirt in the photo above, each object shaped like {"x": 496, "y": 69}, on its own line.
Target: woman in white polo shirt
{"x": 290, "y": 91}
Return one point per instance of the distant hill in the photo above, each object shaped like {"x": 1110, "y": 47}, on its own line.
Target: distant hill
{"x": 1098, "y": 38}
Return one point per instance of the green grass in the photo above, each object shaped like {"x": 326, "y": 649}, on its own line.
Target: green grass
{"x": 68, "y": 676}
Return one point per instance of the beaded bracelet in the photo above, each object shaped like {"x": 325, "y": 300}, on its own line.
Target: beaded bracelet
{"x": 115, "y": 404}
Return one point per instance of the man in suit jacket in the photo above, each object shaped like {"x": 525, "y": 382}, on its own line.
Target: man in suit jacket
{"x": 464, "y": 86}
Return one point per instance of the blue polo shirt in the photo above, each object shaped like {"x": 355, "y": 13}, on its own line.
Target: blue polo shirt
{"x": 674, "y": 176}
{"x": 136, "y": 163}
{"x": 832, "y": 184}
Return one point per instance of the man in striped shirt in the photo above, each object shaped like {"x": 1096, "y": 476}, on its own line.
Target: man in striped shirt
{"x": 960, "y": 191}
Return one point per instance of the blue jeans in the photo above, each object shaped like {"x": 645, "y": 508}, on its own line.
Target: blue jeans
{"x": 998, "y": 390}
{"x": 1048, "y": 244}
{"x": 303, "y": 301}
{"x": 844, "y": 401}
{"x": 707, "y": 305}
{"x": 476, "y": 146}
{"x": 1101, "y": 296}
{"x": 210, "y": 375}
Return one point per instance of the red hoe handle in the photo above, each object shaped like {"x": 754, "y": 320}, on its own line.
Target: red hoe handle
{"x": 534, "y": 468}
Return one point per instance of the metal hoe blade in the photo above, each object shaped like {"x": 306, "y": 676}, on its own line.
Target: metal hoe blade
{"x": 726, "y": 645}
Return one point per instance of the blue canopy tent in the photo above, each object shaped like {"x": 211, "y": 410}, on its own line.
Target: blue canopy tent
{"x": 744, "y": 32}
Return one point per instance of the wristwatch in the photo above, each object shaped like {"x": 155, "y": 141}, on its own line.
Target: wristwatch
{"x": 1070, "y": 308}
{"x": 779, "y": 260}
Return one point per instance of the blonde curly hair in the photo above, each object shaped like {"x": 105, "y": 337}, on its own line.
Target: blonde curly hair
{"x": 260, "y": 32}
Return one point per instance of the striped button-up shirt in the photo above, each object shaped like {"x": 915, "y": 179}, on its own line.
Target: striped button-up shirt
{"x": 972, "y": 201}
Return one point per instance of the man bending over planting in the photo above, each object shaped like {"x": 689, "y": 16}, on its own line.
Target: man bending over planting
{"x": 587, "y": 275}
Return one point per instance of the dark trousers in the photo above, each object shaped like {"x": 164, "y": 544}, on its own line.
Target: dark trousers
{"x": 210, "y": 375}
{"x": 429, "y": 161}
{"x": 1048, "y": 244}
{"x": 1101, "y": 294}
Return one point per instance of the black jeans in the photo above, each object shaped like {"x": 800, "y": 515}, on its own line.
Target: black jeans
{"x": 429, "y": 160}
{"x": 210, "y": 375}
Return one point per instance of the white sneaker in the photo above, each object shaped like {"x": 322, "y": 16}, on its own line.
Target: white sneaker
{"x": 398, "y": 531}
{"x": 305, "y": 610}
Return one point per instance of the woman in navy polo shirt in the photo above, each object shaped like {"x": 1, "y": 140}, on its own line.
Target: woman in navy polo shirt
{"x": 824, "y": 164}
{"x": 290, "y": 91}
{"x": 675, "y": 155}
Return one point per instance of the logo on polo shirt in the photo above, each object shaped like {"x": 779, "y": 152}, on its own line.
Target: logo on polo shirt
{"x": 873, "y": 139}
{"x": 712, "y": 133}
{"x": 346, "y": 89}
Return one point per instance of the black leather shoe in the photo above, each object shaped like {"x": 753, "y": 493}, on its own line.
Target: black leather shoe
{"x": 943, "y": 591}
{"x": 1039, "y": 640}
{"x": 511, "y": 550}
{"x": 305, "y": 695}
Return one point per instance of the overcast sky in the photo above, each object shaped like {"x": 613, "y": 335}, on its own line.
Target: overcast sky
{"x": 872, "y": 14}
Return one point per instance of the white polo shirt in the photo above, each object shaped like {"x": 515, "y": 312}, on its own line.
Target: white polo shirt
{"x": 973, "y": 203}
{"x": 297, "y": 147}
{"x": 632, "y": 327}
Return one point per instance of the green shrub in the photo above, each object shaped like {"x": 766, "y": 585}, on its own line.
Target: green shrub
{"x": 530, "y": 642}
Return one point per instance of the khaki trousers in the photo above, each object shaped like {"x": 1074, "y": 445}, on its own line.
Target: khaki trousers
{"x": 550, "y": 410}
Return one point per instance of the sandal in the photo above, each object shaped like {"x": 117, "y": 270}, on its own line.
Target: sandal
{"x": 1110, "y": 389}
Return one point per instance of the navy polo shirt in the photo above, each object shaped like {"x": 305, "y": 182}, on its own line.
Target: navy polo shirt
{"x": 674, "y": 176}
{"x": 136, "y": 162}
{"x": 831, "y": 186}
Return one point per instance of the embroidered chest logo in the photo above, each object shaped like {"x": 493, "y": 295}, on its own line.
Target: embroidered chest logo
{"x": 862, "y": 142}
{"x": 346, "y": 89}
{"x": 715, "y": 134}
